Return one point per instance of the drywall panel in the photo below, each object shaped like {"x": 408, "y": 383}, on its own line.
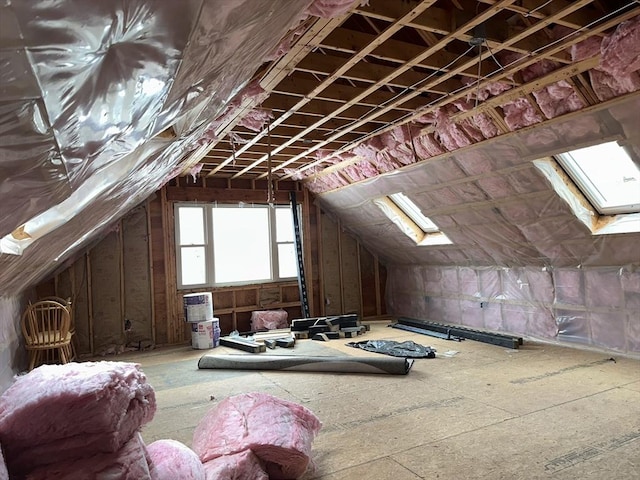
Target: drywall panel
{"x": 350, "y": 274}
{"x": 137, "y": 287}
{"x": 331, "y": 266}
{"x": 106, "y": 295}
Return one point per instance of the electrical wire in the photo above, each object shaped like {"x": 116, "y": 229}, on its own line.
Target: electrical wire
{"x": 406, "y": 89}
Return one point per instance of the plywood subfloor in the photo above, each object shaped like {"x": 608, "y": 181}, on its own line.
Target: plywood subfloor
{"x": 540, "y": 412}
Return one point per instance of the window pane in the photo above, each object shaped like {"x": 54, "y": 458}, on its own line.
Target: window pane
{"x": 241, "y": 244}
{"x": 607, "y": 176}
{"x": 405, "y": 204}
{"x": 191, "y": 222}
{"x": 287, "y": 264}
{"x": 284, "y": 225}
{"x": 193, "y": 265}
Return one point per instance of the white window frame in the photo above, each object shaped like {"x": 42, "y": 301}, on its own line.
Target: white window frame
{"x": 582, "y": 208}
{"x": 589, "y": 187}
{"x": 209, "y": 250}
{"x": 408, "y": 217}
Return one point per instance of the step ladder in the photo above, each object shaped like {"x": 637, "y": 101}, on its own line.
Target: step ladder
{"x": 302, "y": 283}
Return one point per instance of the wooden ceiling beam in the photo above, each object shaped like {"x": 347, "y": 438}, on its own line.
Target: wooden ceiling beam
{"x": 566, "y": 72}
{"x": 350, "y": 41}
{"x": 360, "y": 55}
{"x": 477, "y": 20}
{"x": 428, "y": 52}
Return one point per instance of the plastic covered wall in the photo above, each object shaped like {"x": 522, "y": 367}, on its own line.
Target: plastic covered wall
{"x": 101, "y": 101}
{"x": 593, "y": 306}
{"x": 12, "y": 356}
{"x": 517, "y": 245}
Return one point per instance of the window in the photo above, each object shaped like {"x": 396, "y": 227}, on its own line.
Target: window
{"x": 402, "y": 211}
{"x": 601, "y": 185}
{"x": 606, "y": 175}
{"x": 234, "y": 244}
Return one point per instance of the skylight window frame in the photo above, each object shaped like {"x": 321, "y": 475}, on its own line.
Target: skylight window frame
{"x": 410, "y": 209}
{"x": 406, "y": 222}
{"x": 590, "y": 187}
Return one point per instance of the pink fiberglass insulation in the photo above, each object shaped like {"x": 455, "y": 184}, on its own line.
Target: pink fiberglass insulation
{"x": 360, "y": 171}
{"x": 256, "y": 119}
{"x": 128, "y": 463}
{"x": 277, "y": 431}
{"x": 471, "y": 130}
{"x": 385, "y": 161}
{"x": 557, "y": 99}
{"x": 366, "y": 150}
{"x": 481, "y": 122}
{"x": 426, "y": 145}
{"x": 4, "y": 475}
{"x": 332, "y": 8}
{"x": 520, "y": 113}
{"x": 403, "y": 153}
{"x": 604, "y": 84}
{"x": 452, "y": 136}
{"x": 621, "y": 50}
{"x": 172, "y": 460}
{"x": 240, "y": 466}
{"x": 269, "y": 319}
{"x": 195, "y": 170}
{"x": 60, "y": 412}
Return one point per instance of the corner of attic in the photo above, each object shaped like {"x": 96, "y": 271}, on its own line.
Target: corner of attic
{"x": 96, "y": 146}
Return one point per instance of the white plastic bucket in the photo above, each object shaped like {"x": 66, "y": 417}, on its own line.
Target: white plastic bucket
{"x": 205, "y": 334}
{"x": 198, "y": 307}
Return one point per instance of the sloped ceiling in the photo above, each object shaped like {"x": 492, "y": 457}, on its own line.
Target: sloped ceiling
{"x": 394, "y": 83}
{"x": 102, "y": 104}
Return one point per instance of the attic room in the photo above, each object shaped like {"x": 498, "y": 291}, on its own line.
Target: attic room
{"x": 473, "y": 164}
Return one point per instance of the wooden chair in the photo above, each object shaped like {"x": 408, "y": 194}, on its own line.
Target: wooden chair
{"x": 45, "y": 326}
{"x": 72, "y": 328}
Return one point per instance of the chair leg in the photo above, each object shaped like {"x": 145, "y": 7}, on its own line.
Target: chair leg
{"x": 32, "y": 359}
{"x": 62, "y": 352}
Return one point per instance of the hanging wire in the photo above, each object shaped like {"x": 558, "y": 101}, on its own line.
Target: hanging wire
{"x": 531, "y": 12}
{"x": 479, "y": 73}
{"x": 270, "y": 194}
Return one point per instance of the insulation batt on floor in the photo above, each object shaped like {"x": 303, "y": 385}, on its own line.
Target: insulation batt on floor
{"x": 128, "y": 463}
{"x": 277, "y": 431}
{"x": 81, "y": 421}
{"x": 67, "y": 412}
{"x": 172, "y": 460}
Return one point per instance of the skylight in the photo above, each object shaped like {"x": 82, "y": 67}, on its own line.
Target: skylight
{"x": 405, "y": 204}
{"x": 409, "y": 219}
{"x": 606, "y": 175}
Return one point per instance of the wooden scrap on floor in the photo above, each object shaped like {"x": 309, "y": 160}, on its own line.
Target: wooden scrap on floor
{"x": 243, "y": 344}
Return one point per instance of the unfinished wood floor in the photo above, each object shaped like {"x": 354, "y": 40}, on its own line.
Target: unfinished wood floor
{"x": 540, "y": 412}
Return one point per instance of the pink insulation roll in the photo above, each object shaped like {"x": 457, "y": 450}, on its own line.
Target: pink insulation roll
{"x": 128, "y": 463}
{"x": 520, "y": 113}
{"x": 269, "y": 319}
{"x": 277, "y": 431}
{"x": 621, "y": 50}
{"x": 239, "y": 466}
{"x": 172, "y": 460}
{"x": 63, "y": 412}
{"x": 605, "y": 85}
{"x": 557, "y": 99}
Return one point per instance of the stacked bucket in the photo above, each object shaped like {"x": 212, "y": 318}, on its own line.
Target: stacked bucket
{"x": 205, "y": 328}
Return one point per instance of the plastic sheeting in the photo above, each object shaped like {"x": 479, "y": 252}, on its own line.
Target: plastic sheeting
{"x": 88, "y": 98}
{"x": 492, "y": 202}
{"x": 591, "y": 306}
